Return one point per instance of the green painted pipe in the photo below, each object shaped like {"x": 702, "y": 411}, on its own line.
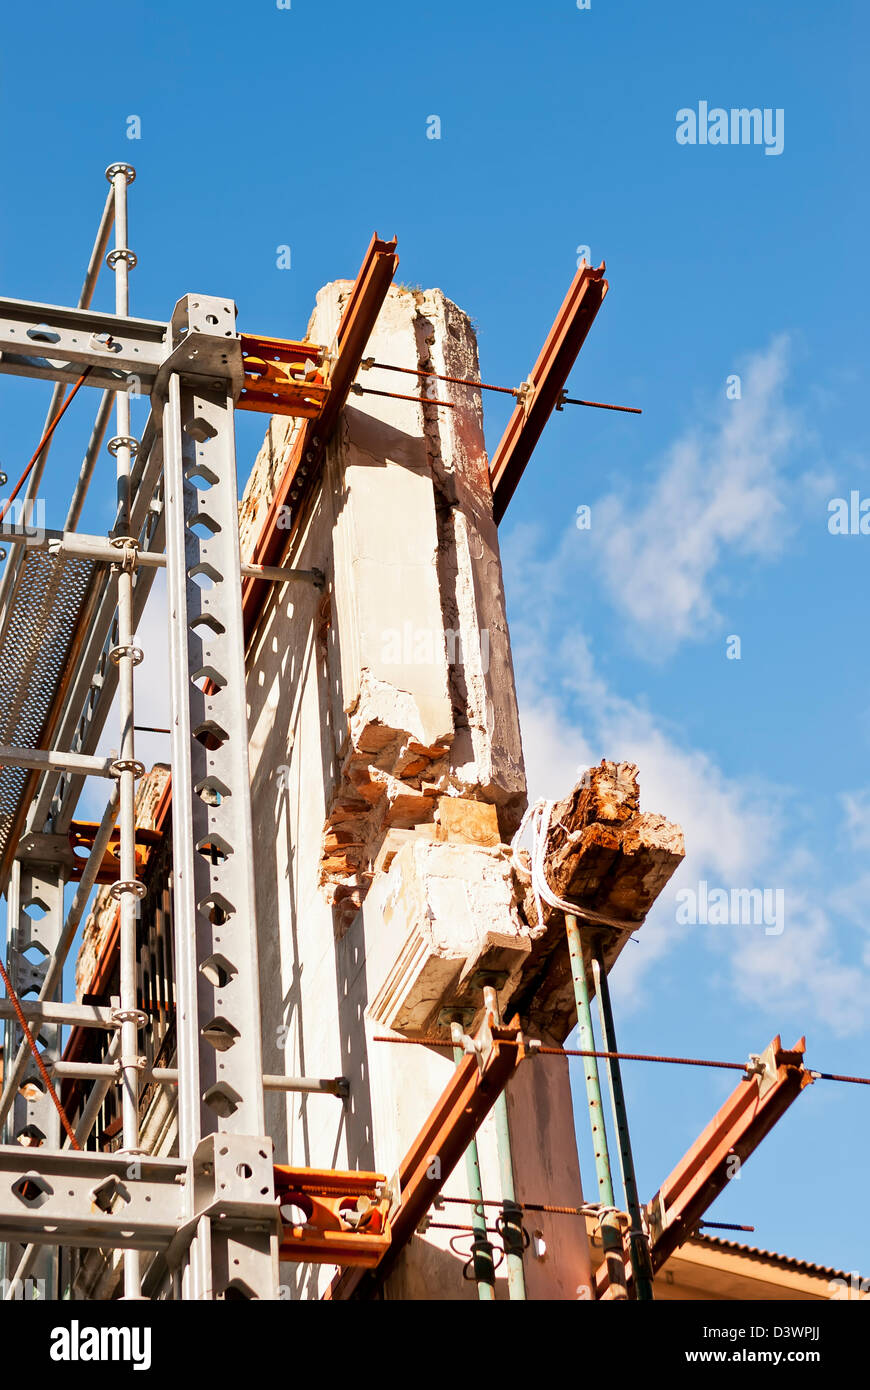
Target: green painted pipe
{"x": 482, "y": 1258}
{"x": 641, "y": 1264}
{"x": 611, "y": 1235}
{"x": 512, "y": 1212}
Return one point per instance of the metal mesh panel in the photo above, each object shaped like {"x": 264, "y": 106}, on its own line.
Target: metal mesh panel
{"x": 45, "y": 609}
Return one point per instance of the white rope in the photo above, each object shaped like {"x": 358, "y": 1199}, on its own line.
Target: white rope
{"x": 539, "y": 814}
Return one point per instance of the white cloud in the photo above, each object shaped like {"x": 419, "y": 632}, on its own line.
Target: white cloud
{"x": 657, "y": 551}
{"x": 736, "y": 836}
{"x": 721, "y": 487}
{"x": 718, "y": 491}
{"x": 857, "y": 809}
{"x": 802, "y": 967}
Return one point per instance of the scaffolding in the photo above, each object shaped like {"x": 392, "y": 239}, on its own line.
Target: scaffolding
{"x": 70, "y": 606}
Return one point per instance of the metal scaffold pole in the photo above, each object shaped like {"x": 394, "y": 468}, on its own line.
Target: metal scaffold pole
{"x": 127, "y": 889}
{"x": 611, "y": 1235}
{"x": 641, "y": 1265}
{"x": 220, "y": 1073}
{"x": 512, "y": 1232}
{"x": 481, "y": 1246}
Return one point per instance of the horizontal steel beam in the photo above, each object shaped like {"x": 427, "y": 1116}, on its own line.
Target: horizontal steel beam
{"x": 45, "y": 760}
{"x": 168, "y": 1076}
{"x": 309, "y": 1085}
{"x": 101, "y": 549}
{"x": 63, "y": 1197}
{"x": 74, "y": 1015}
{"x": 54, "y": 343}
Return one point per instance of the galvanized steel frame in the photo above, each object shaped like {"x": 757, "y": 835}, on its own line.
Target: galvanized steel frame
{"x": 212, "y": 1213}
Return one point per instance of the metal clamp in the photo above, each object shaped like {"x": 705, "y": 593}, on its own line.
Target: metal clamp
{"x": 480, "y": 1047}
{"x": 510, "y": 1229}
{"x": 525, "y": 394}
{"x": 528, "y": 1047}
{"x": 129, "y": 548}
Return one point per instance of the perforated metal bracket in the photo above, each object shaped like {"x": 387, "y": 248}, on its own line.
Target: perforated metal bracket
{"x": 205, "y": 347}
{"x": 233, "y": 1175}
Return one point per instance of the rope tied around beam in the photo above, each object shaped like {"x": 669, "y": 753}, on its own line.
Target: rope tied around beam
{"x": 539, "y": 815}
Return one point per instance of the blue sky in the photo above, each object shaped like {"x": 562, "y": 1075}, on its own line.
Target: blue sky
{"x": 306, "y": 127}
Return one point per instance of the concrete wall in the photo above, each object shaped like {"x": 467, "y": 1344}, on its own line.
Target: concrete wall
{"x": 368, "y": 704}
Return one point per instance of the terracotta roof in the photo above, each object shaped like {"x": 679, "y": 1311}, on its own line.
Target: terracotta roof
{"x": 752, "y": 1252}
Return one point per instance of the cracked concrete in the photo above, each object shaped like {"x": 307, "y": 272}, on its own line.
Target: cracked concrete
{"x": 387, "y": 772}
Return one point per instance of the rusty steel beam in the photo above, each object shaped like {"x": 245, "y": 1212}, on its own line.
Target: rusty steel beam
{"x": 546, "y": 383}
{"x": 345, "y": 1216}
{"x": 304, "y": 465}
{"x": 464, "y": 1104}
{"x": 735, "y": 1131}
{"x": 282, "y": 377}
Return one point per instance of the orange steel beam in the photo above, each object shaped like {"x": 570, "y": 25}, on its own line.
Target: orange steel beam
{"x": 749, "y": 1113}
{"x": 81, "y": 837}
{"x": 303, "y": 467}
{"x": 283, "y": 377}
{"x": 459, "y": 1112}
{"x": 345, "y": 1216}
{"x": 546, "y": 383}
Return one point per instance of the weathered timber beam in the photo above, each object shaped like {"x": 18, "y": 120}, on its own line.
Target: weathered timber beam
{"x": 607, "y": 856}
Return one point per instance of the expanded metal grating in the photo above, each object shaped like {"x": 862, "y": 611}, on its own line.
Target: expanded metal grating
{"x": 44, "y": 617}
